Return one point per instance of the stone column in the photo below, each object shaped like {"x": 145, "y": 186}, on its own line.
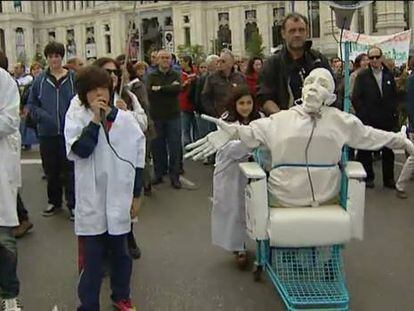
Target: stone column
{"x": 390, "y": 17}
{"x": 264, "y": 23}
{"x": 80, "y": 39}
{"x": 10, "y": 39}
{"x": 237, "y": 33}
{"x": 211, "y": 29}
{"x": 29, "y": 45}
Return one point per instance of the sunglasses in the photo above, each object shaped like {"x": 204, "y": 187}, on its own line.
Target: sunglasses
{"x": 112, "y": 71}
{"x": 374, "y": 57}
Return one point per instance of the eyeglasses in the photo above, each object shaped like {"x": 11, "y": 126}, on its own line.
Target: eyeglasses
{"x": 112, "y": 71}
{"x": 374, "y": 57}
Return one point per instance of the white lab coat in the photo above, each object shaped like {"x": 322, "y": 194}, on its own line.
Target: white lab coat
{"x": 10, "y": 176}
{"x": 286, "y": 134}
{"x": 103, "y": 183}
{"x": 137, "y": 110}
{"x": 228, "y": 222}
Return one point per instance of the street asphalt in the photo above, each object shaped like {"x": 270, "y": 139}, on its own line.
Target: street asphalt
{"x": 180, "y": 270}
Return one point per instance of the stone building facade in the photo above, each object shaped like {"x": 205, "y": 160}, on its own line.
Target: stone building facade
{"x": 91, "y": 29}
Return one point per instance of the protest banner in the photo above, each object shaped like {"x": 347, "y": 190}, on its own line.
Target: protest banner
{"x": 395, "y": 46}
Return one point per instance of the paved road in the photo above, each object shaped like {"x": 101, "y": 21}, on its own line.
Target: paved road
{"x": 180, "y": 270}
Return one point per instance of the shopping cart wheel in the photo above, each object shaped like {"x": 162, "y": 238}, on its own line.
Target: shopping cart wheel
{"x": 257, "y": 272}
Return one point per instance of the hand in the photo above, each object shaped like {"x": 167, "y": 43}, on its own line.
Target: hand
{"x": 24, "y": 112}
{"x": 121, "y": 104}
{"x": 96, "y": 105}
{"x": 210, "y": 144}
{"x": 155, "y": 88}
{"x": 136, "y": 203}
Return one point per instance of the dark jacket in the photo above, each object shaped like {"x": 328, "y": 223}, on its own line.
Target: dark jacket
{"x": 374, "y": 109}
{"x": 164, "y": 102}
{"x": 409, "y": 99}
{"x": 216, "y": 91}
{"x": 273, "y": 80}
{"x": 139, "y": 89}
{"x": 49, "y": 101}
{"x": 199, "y": 86}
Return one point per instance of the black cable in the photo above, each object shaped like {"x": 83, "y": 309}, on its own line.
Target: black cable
{"x": 113, "y": 149}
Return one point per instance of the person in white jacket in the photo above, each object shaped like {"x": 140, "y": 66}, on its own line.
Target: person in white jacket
{"x": 10, "y": 181}
{"x": 228, "y": 217}
{"x": 311, "y": 133}
{"x": 108, "y": 149}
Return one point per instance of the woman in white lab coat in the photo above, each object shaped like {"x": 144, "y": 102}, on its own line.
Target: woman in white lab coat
{"x": 228, "y": 227}
{"x": 10, "y": 180}
{"x": 108, "y": 149}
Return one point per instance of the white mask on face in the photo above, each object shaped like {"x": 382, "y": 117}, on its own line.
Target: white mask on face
{"x": 318, "y": 89}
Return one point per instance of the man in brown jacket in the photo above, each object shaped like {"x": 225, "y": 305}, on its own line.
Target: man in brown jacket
{"x": 217, "y": 88}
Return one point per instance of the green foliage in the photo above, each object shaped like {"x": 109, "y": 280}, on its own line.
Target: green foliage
{"x": 195, "y": 51}
{"x": 254, "y": 47}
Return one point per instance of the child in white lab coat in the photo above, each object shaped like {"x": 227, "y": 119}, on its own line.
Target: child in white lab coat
{"x": 107, "y": 184}
{"x": 228, "y": 216}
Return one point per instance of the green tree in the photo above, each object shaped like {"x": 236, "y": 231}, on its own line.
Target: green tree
{"x": 195, "y": 51}
{"x": 254, "y": 47}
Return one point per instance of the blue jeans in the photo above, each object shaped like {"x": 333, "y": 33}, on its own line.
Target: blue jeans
{"x": 190, "y": 128}
{"x": 9, "y": 283}
{"x": 166, "y": 148}
{"x": 96, "y": 248}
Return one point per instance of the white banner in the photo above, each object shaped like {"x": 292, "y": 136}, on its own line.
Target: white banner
{"x": 395, "y": 46}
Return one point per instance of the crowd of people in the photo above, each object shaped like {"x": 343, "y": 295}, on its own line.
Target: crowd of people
{"x": 80, "y": 116}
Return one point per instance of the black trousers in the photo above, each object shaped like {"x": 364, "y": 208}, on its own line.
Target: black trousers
{"x": 59, "y": 170}
{"x": 365, "y": 157}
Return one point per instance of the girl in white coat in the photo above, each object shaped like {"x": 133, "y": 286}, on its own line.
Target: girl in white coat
{"x": 10, "y": 180}
{"x": 109, "y": 157}
{"x": 228, "y": 216}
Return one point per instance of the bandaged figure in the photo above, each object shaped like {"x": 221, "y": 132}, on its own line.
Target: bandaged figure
{"x": 305, "y": 143}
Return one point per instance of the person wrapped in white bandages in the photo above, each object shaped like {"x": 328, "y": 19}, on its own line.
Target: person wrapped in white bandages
{"x": 311, "y": 133}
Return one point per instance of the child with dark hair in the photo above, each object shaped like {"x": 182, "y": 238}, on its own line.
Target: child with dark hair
{"x": 228, "y": 218}
{"x": 108, "y": 149}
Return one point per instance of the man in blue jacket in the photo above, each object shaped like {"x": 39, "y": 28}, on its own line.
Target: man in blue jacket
{"x": 49, "y": 100}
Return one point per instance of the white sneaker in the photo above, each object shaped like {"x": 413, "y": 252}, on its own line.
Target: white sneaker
{"x": 11, "y": 305}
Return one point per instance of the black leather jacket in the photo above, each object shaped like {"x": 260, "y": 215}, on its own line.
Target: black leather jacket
{"x": 273, "y": 80}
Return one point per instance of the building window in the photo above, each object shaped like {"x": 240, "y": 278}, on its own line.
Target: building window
{"x": 70, "y": 43}
{"x": 361, "y": 24}
{"x": 81, "y": 3}
{"x": 374, "y": 16}
{"x": 62, "y": 6}
{"x": 52, "y": 35}
{"x": 314, "y": 22}
{"x": 2, "y": 41}
{"x": 17, "y": 6}
{"x": 87, "y": 4}
{"x": 55, "y": 6}
{"x": 407, "y": 15}
{"x": 224, "y": 32}
{"x": 278, "y": 15}
{"x": 1, "y": 9}
{"x": 186, "y": 19}
{"x": 67, "y": 5}
{"x": 108, "y": 44}
{"x": 74, "y": 5}
{"x": 187, "y": 36}
{"x": 20, "y": 49}
{"x": 250, "y": 28}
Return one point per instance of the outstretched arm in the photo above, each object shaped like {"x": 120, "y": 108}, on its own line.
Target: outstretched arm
{"x": 252, "y": 135}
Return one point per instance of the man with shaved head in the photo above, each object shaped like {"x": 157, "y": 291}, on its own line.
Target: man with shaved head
{"x": 164, "y": 85}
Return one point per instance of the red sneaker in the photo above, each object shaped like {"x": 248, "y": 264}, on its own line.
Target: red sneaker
{"x": 124, "y": 305}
